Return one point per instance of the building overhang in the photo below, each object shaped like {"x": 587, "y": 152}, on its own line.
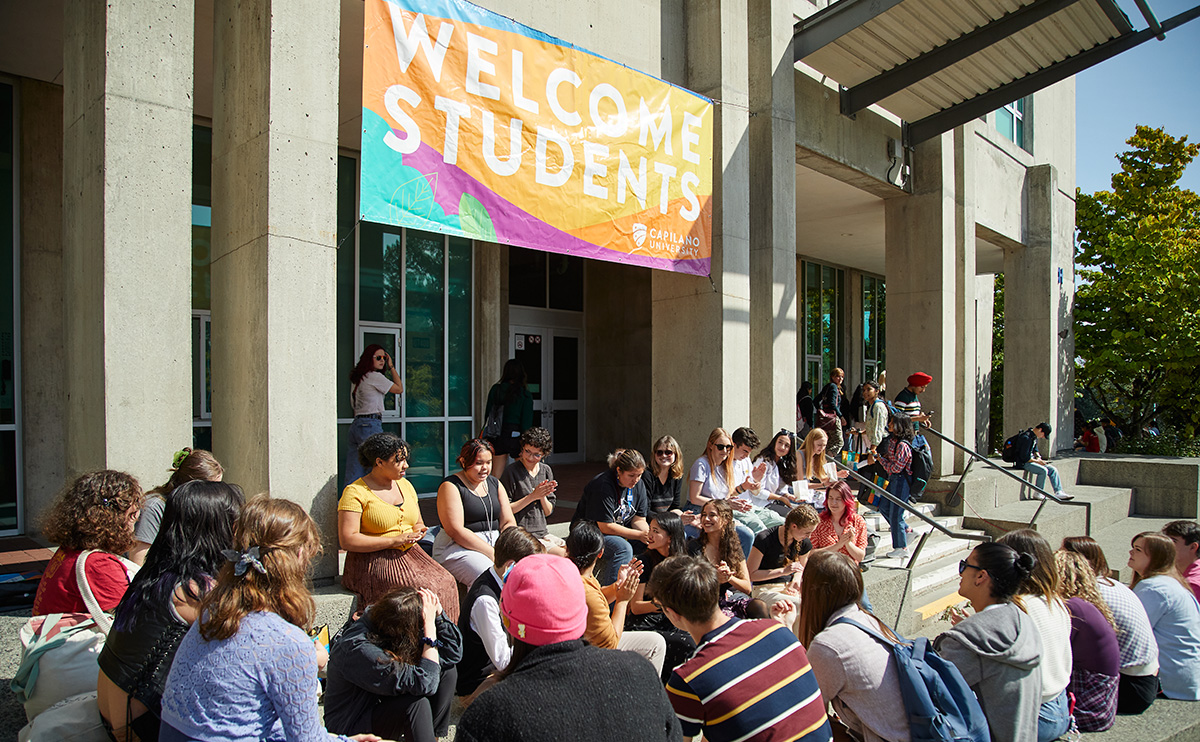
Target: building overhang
{"x": 937, "y": 64}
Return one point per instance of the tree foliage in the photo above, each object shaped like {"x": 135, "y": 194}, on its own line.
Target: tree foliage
{"x": 1137, "y": 309}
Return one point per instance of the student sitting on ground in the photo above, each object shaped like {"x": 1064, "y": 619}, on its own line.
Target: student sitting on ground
{"x": 1185, "y": 535}
{"x": 530, "y": 485}
{"x": 1173, "y": 612}
{"x": 485, "y": 642}
{"x": 557, "y": 687}
{"x": 606, "y": 629}
{"x": 615, "y": 500}
{"x": 777, "y": 560}
{"x": 1138, "y": 683}
{"x": 666, "y": 540}
{"x": 391, "y": 672}
{"x": 778, "y": 458}
{"x": 748, "y": 680}
{"x": 747, "y": 498}
{"x": 718, "y": 544}
{"x": 997, "y": 648}
{"x": 1096, "y": 660}
{"x": 1039, "y": 597}
{"x": 856, "y": 673}
{"x": 664, "y": 478}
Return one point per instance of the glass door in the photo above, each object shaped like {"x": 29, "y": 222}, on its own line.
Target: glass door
{"x": 389, "y": 339}
{"x": 553, "y": 361}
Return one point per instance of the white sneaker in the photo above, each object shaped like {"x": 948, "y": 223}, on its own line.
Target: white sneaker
{"x": 1064, "y": 496}
{"x": 898, "y": 554}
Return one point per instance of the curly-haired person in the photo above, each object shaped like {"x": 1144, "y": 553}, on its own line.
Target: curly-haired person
{"x": 95, "y": 513}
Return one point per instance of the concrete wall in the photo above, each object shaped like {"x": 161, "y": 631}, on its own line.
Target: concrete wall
{"x": 1164, "y": 488}
{"x": 43, "y": 401}
{"x": 618, "y": 348}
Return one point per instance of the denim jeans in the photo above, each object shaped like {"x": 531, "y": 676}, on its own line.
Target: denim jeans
{"x": 893, "y": 513}
{"x": 361, "y": 429}
{"x": 618, "y": 551}
{"x": 1054, "y": 718}
{"x": 1041, "y": 470}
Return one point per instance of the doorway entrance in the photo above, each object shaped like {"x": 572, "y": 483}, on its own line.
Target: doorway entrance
{"x": 553, "y": 361}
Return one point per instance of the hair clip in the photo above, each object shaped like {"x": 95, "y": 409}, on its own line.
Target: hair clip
{"x": 241, "y": 562}
{"x": 180, "y": 455}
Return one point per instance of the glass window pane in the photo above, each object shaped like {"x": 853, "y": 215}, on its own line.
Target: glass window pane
{"x": 566, "y": 367}
{"x": 460, "y": 433}
{"x": 424, "y": 323}
{"x": 526, "y": 277}
{"x": 566, "y": 431}
{"x": 813, "y": 374}
{"x": 881, "y": 324}
{"x": 427, "y": 464}
{"x": 1019, "y": 132}
{"x": 566, "y": 282}
{"x": 8, "y": 357}
{"x": 868, "y": 301}
{"x": 828, "y": 318}
{"x": 202, "y": 166}
{"x": 812, "y": 311}
{"x": 380, "y": 276}
{"x": 201, "y": 257}
{"x": 347, "y": 215}
{"x": 202, "y": 439}
{"x": 458, "y": 327}
{"x": 1004, "y": 122}
{"x": 529, "y": 353}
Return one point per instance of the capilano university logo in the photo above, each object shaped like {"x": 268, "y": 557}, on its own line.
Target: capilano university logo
{"x": 684, "y": 245}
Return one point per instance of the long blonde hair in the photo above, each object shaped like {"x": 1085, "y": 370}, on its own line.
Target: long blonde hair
{"x": 286, "y": 538}
{"x": 727, "y": 466}
{"x": 1077, "y": 579}
{"x": 814, "y": 463}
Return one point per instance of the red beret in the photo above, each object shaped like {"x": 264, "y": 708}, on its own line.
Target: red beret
{"x": 920, "y": 378}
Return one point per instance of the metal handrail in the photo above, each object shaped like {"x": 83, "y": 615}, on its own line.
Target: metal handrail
{"x": 976, "y": 456}
{"x": 913, "y": 511}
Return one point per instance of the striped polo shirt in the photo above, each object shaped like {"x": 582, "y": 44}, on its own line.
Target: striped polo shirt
{"x": 749, "y": 680}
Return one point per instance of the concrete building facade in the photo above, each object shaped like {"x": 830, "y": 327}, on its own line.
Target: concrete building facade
{"x": 834, "y": 246}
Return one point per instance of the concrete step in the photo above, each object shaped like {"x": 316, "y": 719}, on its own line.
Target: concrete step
{"x": 1092, "y": 509}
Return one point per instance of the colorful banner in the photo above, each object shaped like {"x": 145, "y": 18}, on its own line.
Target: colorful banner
{"x": 475, "y": 125}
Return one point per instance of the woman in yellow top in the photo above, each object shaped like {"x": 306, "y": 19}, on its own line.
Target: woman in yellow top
{"x": 379, "y": 524}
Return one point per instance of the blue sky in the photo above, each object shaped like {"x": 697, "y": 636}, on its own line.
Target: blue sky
{"x": 1156, "y": 84}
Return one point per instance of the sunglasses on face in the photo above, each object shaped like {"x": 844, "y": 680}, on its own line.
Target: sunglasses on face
{"x": 379, "y": 358}
{"x": 723, "y": 446}
{"x": 664, "y": 452}
{"x": 963, "y": 566}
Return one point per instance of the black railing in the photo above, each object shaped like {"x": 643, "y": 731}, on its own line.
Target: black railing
{"x": 912, "y": 511}
{"x": 954, "y": 497}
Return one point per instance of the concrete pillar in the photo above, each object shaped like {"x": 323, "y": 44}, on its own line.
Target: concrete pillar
{"x": 127, "y": 153}
{"x": 984, "y": 308}
{"x": 491, "y": 321}
{"x": 1039, "y": 347}
{"x": 701, "y": 327}
{"x": 274, "y": 219}
{"x": 773, "y": 303}
{"x": 921, "y": 260}
{"x": 43, "y": 403}
{"x": 965, "y": 357}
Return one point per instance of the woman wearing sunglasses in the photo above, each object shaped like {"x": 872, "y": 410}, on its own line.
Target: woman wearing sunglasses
{"x": 997, "y": 648}
{"x": 368, "y": 388}
{"x": 709, "y": 479}
{"x": 664, "y": 477}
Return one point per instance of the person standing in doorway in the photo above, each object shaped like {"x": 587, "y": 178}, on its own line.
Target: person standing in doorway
{"x": 512, "y": 393}
{"x": 369, "y": 386}
{"x": 909, "y": 403}
{"x": 832, "y": 414}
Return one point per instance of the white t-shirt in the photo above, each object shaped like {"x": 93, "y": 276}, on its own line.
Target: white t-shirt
{"x": 713, "y": 486}
{"x": 368, "y": 395}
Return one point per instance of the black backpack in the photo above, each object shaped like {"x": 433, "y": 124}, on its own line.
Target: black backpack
{"x": 922, "y": 466}
{"x": 1019, "y": 448}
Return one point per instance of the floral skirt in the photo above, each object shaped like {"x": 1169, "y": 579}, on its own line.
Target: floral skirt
{"x": 374, "y": 574}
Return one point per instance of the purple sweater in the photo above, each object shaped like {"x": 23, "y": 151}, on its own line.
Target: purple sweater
{"x": 1093, "y": 640}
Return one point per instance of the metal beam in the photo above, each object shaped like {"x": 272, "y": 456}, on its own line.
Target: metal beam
{"x": 835, "y": 21}
{"x": 1148, "y": 14}
{"x": 956, "y": 115}
{"x": 939, "y": 58}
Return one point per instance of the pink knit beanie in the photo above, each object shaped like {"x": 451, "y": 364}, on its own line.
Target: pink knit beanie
{"x": 542, "y": 600}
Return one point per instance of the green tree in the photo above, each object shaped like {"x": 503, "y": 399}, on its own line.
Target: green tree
{"x": 1137, "y": 309}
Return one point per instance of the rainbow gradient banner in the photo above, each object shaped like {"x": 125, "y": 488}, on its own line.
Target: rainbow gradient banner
{"x": 478, "y": 126}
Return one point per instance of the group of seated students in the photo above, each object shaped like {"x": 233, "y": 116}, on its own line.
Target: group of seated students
{"x": 211, "y": 638}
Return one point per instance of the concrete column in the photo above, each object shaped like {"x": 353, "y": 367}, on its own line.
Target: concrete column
{"x": 1039, "y": 347}
{"x": 127, "y": 153}
{"x": 984, "y": 308}
{"x": 921, "y": 259}
{"x": 275, "y": 122}
{"x": 701, "y": 327}
{"x": 965, "y": 356}
{"x": 43, "y": 404}
{"x": 773, "y": 303}
{"x": 491, "y": 321}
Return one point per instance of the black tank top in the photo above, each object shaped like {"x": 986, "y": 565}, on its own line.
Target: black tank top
{"x": 479, "y": 513}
